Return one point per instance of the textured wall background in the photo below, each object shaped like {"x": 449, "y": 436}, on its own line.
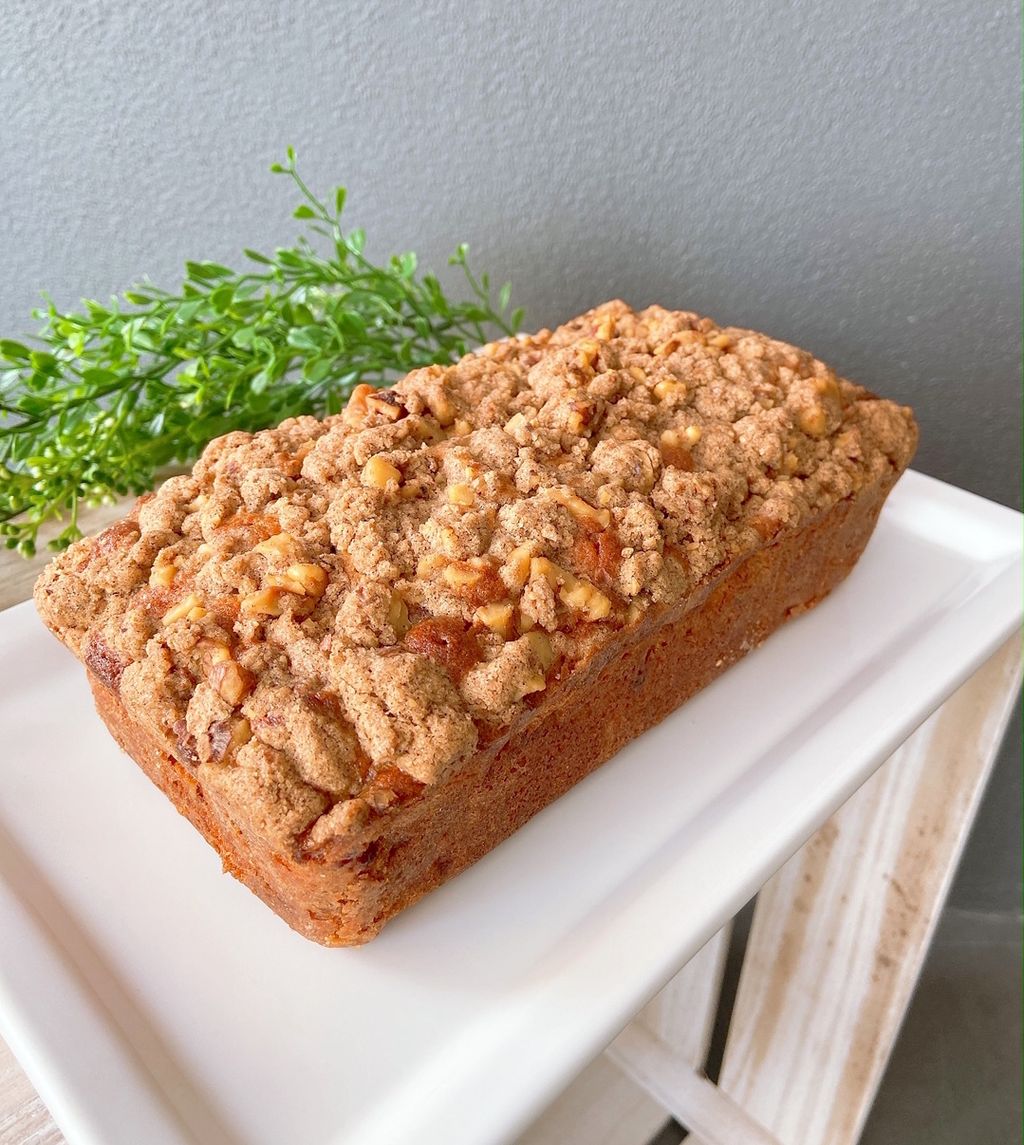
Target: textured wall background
{"x": 842, "y": 173}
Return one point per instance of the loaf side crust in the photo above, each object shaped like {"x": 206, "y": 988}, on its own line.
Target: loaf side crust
{"x": 345, "y": 893}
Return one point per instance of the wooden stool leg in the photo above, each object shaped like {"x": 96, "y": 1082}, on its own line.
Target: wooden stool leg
{"x": 841, "y": 932}
{"x": 605, "y": 1107}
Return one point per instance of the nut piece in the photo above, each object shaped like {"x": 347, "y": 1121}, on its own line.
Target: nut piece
{"x": 428, "y": 565}
{"x": 606, "y": 328}
{"x": 827, "y": 387}
{"x": 303, "y": 580}
{"x": 518, "y": 427}
{"x": 213, "y": 652}
{"x": 227, "y": 736}
{"x": 586, "y": 598}
{"x": 497, "y": 617}
{"x": 311, "y": 579}
{"x": 813, "y": 421}
{"x": 667, "y": 391}
{"x": 385, "y": 403}
{"x": 231, "y": 681}
{"x": 683, "y": 338}
{"x": 721, "y": 341}
{"x": 584, "y": 513}
{"x": 461, "y": 574}
{"x": 190, "y": 608}
{"x": 162, "y": 576}
{"x": 534, "y": 682}
{"x": 586, "y": 352}
{"x": 517, "y": 565}
{"x": 380, "y": 474}
{"x": 461, "y": 495}
{"x": 357, "y": 399}
{"x": 579, "y": 417}
{"x": 552, "y": 573}
{"x": 398, "y": 615}
{"x": 440, "y": 405}
{"x": 540, "y": 646}
{"x": 265, "y": 602}
{"x": 577, "y": 594}
{"x": 281, "y": 545}
{"x": 637, "y": 373}
{"x": 693, "y": 434}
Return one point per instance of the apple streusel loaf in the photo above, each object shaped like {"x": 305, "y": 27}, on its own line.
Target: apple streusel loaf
{"x": 358, "y": 653}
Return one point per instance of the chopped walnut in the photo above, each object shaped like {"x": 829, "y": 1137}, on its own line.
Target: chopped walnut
{"x": 231, "y": 680}
{"x": 191, "y": 608}
{"x": 381, "y": 474}
{"x": 281, "y": 546}
{"x": 162, "y": 576}
{"x": 498, "y": 617}
{"x": 461, "y": 494}
{"x": 266, "y": 602}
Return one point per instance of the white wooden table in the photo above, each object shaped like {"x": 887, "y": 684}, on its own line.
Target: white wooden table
{"x": 838, "y": 940}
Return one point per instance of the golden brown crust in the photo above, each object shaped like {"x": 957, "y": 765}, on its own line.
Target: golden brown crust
{"x": 329, "y": 624}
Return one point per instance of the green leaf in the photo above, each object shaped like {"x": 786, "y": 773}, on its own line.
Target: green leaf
{"x": 304, "y": 211}
{"x": 95, "y": 376}
{"x": 307, "y": 337}
{"x": 43, "y": 361}
{"x": 207, "y": 271}
{"x": 316, "y": 369}
{"x": 13, "y": 351}
{"x": 187, "y": 311}
{"x": 339, "y": 200}
{"x": 290, "y": 258}
{"x": 222, "y": 297}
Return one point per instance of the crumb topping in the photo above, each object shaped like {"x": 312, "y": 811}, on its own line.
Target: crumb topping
{"x": 325, "y": 617}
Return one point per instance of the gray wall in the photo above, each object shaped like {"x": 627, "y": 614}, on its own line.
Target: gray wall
{"x": 841, "y": 173}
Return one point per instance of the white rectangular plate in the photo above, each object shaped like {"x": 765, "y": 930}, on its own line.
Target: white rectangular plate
{"x": 153, "y": 999}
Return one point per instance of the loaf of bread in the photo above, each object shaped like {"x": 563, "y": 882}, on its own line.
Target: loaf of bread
{"x": 359, "y": 653}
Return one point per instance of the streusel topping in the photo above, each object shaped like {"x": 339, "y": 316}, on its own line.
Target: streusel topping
{"x": 326, "y": 616}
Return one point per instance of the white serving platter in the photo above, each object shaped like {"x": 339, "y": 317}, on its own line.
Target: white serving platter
{"x": 153, "y": 999}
